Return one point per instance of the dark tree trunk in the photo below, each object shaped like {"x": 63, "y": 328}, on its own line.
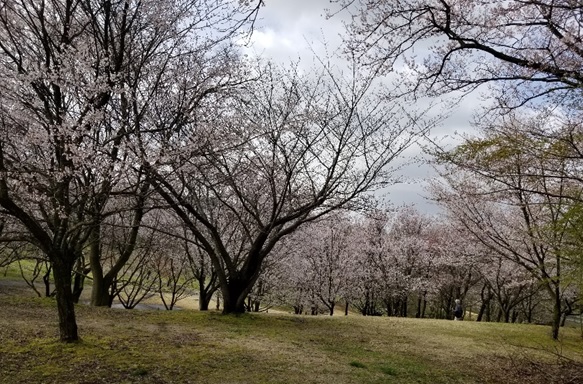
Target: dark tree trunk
{"x": 366, "y": 308}
{"x": 65, "y": 305}
{"x": 566, "y": 312}
{"x": 331, "y": 306}
{"x": 234, "y": 295}
{"x": 206, "y": 290}
{"x": 389, "y": 306}
{"x": 100, "y": 296}
{"x": 484, "y": 307}
{"x": 499, "y": 316}
{"x": 47, "y": 280}
{"x": 346, "y": 308}
{"x": 481, "y": 311}
{"x": 204, "y": 298}
{"x": 78, "y": 283}
{"x": 79, "y": 280}
{"x": 101, "y": 284}
{"x": 404, "y": 307}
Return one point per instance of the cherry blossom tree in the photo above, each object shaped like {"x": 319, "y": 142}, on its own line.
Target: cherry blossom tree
{"x": 289, "y": 272}
{"x": 55, "y": 89}
{"x": 75, "y": 78}
{"x": 274, "y": 154}
{"x": 365, "y": 292}
{"x": 328, "y": 245}
{"x": 530, "y": 48}
{"x": 407, "y": 258}
{"x": 520, "y": 226}
{"x": 501, "y": 284}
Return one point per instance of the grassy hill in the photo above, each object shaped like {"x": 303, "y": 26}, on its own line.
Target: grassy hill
{"x": 121, "y": 346}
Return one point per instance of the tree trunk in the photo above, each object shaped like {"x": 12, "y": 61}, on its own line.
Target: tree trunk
{"x": 78, "y": 287}
{"x": 404, "y": 307}
{"x": 346, "y": 308}
{"x": 66, "y": 308}
{"x": 568, "y": 311}
{"x": 418, "y": 311}
{"x": 481, "y": 312}
{"x": 366, "y": 308}
{"x": 514, "y": 316}
{"x": 234, "y": 295}
{"x": 484, "y": 307}
{"x": 204, "y": 298}
{"x": 100, "y": 296}
{"x": 389, "y": 306}
{"x": 47, "y": 280}
{"x": 100, "y": 289}
{"x": 556, "y": 314}
{"x": 499, "y": 316}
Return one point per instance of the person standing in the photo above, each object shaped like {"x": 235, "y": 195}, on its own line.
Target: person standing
{"x": 458, "y": 312}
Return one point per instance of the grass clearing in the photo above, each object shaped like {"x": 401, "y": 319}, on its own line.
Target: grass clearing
{"x": 125, "y": 346}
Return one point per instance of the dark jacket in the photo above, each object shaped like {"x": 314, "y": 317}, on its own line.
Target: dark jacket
{"x": 458, "y": 311}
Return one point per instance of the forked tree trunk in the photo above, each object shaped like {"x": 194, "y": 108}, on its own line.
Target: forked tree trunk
{"x": 485, "y": 295}
{"x": 331, "y": 306}
{"x": 204, "y": 299}
{"x": 66, "y": 308}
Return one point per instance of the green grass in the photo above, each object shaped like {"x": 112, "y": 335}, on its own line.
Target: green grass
{"x": 12, "y": 271}
{"x": 121, "y": 346}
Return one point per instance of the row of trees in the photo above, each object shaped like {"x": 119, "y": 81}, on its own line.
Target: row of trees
{"x": 396, "y": 264}
{"x": 117, "y": 114}
{"x": 408, "y": 264}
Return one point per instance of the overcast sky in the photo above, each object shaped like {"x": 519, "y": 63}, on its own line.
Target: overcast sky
{"x": 289, "y": 30}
